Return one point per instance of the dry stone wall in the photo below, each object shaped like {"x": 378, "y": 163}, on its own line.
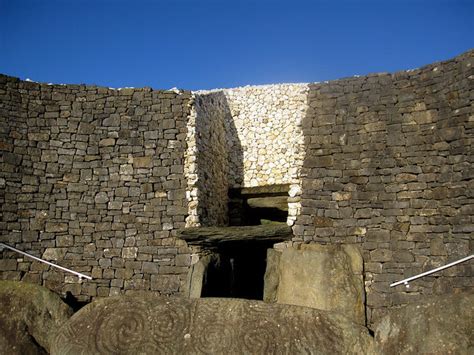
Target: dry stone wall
{"x": 92, "y": 179}
{"x": 388, "y": 167}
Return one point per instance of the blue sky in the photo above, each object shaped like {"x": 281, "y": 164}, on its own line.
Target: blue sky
{"x": 205, "y": 44}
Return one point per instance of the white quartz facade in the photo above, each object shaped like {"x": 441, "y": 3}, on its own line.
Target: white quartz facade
{"x": 243, "y": 137}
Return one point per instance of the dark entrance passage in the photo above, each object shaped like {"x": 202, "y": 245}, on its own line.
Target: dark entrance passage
{"x": 237, "y": 272}
{"x": 234, "y": 259}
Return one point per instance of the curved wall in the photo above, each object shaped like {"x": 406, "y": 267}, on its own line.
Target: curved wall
{"x": 101, "y": 180}
{"x": 388, "y": 167}
{"x": 92, "y": 179}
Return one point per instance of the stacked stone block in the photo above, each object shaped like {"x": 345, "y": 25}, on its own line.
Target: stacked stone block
{"x": 92, "y": 179}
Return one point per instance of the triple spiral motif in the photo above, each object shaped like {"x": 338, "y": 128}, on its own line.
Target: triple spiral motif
{"x": 157, "y": 325}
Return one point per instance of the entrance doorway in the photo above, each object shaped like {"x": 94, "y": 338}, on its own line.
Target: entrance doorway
{"x": 237, "y": 272}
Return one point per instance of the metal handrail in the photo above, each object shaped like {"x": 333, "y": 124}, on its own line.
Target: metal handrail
{"x": 81, "y": 276}
{"x": 407, "y": 280}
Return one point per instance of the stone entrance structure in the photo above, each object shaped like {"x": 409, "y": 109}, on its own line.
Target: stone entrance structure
{"x": 104, "y": 181}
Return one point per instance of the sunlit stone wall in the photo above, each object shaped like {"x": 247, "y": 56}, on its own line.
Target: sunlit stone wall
{"x": 244, "y": 137}
{"x": 92, "y": 179}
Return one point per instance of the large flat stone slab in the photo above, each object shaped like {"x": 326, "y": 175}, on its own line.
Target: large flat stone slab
{"x": 327, "y": 277}
{"x": 214, "y": 237}
{"x": 149, "y": 324}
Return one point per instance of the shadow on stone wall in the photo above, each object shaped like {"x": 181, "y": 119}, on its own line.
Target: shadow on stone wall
{"x": 218, "y": 156}
{"x": 12, "y": 123}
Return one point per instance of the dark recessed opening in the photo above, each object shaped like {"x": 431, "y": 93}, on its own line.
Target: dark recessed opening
{"x": 73, "y": 302}
{"x": 237, "y": 272}
{"x": 258, "y": 205}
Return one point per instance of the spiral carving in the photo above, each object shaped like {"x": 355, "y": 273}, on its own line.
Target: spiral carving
{"x": 121, "y": 330}
{"x": 72, "y": 338}
{"x": 216, "y": 333}
{"x": 215, "y": 338}
{"x": 156, "y": 325}
{"x": 264, "y": 327}
{"x": 169, "y": 321}
{"x": 261, "y": 338}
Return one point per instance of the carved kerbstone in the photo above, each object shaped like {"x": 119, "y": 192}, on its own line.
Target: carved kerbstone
{"x": 149, "y": 324}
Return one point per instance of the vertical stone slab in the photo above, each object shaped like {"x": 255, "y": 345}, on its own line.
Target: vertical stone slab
{"x": 327, "y": 277}
{"x": 196, "y": 276}
{"x": 272, "y": 278}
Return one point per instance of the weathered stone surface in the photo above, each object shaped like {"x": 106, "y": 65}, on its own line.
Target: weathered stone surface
{"x": 197, "y": 274}
{"x": 278, "y": 202}
{"x": 166, "y": 284}
{"x": 30, "y": 315}
{"x": 107, "y": 142}
{"x": 129, "y": 253}
{"x": 218, "y": 236}
{"x": 148, "y": 324}
{"x": 56, "y": 227}
{"x": 387, "y": 165}
{"x": 272, "y": 276}
{"x": 101, "y": 197}
{"x": 435, "y": 325}
{"x": 112, "y": 120}
{"x": 54, "y": 253}
{"x": 322, "y": 222}
{"x": 325, "y": 277}
{"x": 263, "y": 189}
{"x": 142, "y": 162}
